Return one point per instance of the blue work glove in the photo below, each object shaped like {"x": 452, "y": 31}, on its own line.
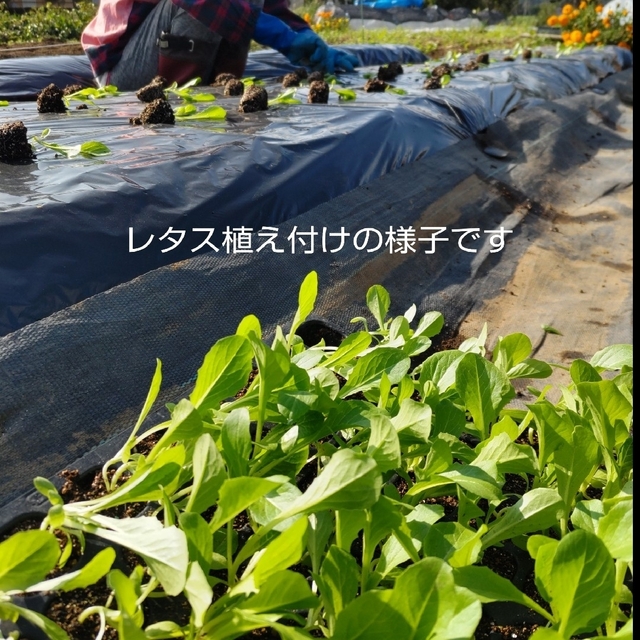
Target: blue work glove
{"x": 272, "y": 32}
{"x": 308, "y": 49}
{"x": 336, "y": 59}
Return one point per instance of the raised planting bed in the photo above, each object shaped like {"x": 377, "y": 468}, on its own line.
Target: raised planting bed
{"x": 218, "y": 167}
{"x": 380, "y": 487}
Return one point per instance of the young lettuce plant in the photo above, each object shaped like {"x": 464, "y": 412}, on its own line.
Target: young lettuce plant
{"x": 25, "y": 560}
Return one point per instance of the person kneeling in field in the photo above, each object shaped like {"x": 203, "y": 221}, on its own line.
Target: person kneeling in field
{"x": 129, "y": 42}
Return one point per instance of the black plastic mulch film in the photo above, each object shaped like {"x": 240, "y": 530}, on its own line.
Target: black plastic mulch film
{"x": 65, "y": 223}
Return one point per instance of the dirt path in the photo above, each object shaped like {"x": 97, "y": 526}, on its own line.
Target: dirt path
{"x": 23, "y": 50}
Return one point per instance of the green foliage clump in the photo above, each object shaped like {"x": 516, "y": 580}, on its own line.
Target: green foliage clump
{"x": 45, "y": 23}
{"x": 317, "y": 447}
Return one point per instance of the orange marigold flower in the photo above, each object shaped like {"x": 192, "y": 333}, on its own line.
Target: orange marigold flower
{"x": 563, "y": 20}
{"x": 595, "y": 33}
{"x": 582, "y": 5}
{"x": 624, "y": 45}
{"x": 566, "y": 36}
{"x": 588, "y": 38}
{"x": 576, "y": 36}
{"x": 599, "y": 8}
{"x": 552, "y": 21}
{"x": 567, "y": 10}
{"x": 575, "y": 14}
{"x": 625, "y": 12}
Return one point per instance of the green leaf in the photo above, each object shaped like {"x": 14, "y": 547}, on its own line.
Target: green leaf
{"x": 418, "y": 523}
{"x": 440, "y": 368}
{"x": 479, "y": 479}
{"x": 427, "y": 597}
{"x": 587, "y": 515}
{"x": 582, "y": 371}
{"x": 209, "y": 473}
{"x": 344, "y": 94}
{"x": 455, "y": 543}
{"x": 164, "y": 549}
{"x": 198, "y": 97}
{"x": 199, "y": 538}
{"x": 185, "y": 424}
{"x": 575, "y": 463}
{"x": 237, "y": 494}
{"x": 371, "y": 617}
{"x": 396, "y": 90}
{"x": 95, "y": 569}
{"x": 271, "y": 505}
{"x": 413, "y": 422}
{"x": 26, "y": 557}
{"x": 10, "y": 611}
{"x": 338, "y": 580}
{"x": 198, "y": 592}
{"x": 286, "y": 97}
{"x": 285, "y": 590}
{"x": 149, "y": 480}
{"x": 4, "y": 103}
{"x": 384, "y": 446}
{"x": 353, "y": 345}
{"x": 430, "y": 324}
{"x": 616, "y": 530}
{"x": 281, "y": 553}
{"x": 224, "y": 371}
{"x": 484, "y": 389}
{"x": 349, "y": 481}
{"x": 613, "y": 357}
{"x": 445, "y": 80}
{"x": 306, "y": 302}
{"x": 507, "y": 455}
{"x": 378, "y": 301}
{"x": 511, "y": 350}
{"x": 538, "y": 509}
{"x": 94, "y": 149}
{"x": 549, "y": 329}
{"x": 210, "y": 113}
{"x": 488, "y": 586}
{"x": 530, "y": 368}
{"x": 236, "y": 442}
{"x": 580, "y": 583}
{"x": 554, "y": 429}
{"x": 369, "y": 369}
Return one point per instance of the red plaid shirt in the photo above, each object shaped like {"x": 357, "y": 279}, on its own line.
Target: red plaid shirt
{"x": 106, "y": 35}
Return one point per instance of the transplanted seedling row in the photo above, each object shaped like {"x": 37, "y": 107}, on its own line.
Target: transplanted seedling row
{"x": 353, "y": 492}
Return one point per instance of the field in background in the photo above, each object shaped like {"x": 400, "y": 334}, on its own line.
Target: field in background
{"x": 51, "y": 25}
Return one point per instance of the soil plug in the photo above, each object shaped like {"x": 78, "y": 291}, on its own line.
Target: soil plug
{"x": 72, "y": 88}
{"x": 315, "y": 76}
{"x": 302, "y": 73}
{"x": 291, "y": 80}
{"x": 318, "y": 92}
{"x": 472, "y": 65}
{"x": 14, "y": 147}
{"x": 443, "y": 69}
{"x": 389, "y": 72}
{"x": 50, "y": 100}
{"x": 432, "y": 83}
{"x": 222, "y": 79}
{"x": 508, "y": 59}
{"x": 157, "y": 112}
{"x": 255, "y": 98}
{"x": 234, "y": 87}
{"x": 375, "y": 84}
{"x": 153, "y": 91}
{"x": 527, "y": 54}
{"x": 483, "y": 58}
